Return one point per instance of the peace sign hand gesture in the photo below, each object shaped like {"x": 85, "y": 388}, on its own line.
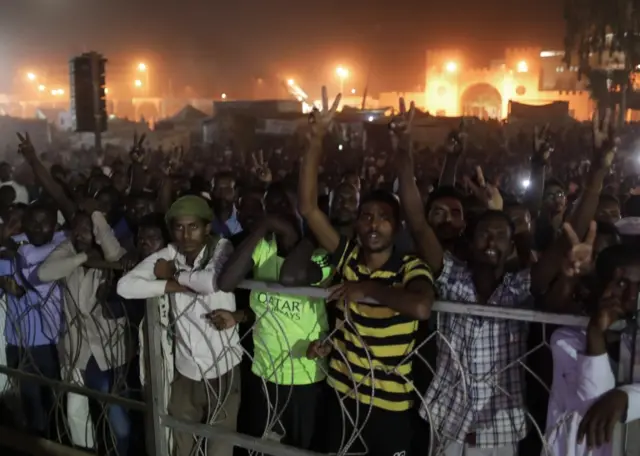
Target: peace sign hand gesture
{"x": 486, "y": 192}
{"x": 25, "y": 146}
{"x": 542, "y": 146}
{"x": 605, "y": 142}
{"x": 320, "y": 121}
{"x": 172, "y": 162}
{"x": 137, "y": 153}
{"x": 579, "y": 260}
{"x": 400, "y": 126}
{"x": 261, "y": 168}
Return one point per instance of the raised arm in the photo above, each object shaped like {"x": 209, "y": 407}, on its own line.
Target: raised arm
{"x": 542, "y": 149}
{"x": 427, "y": 244}
{"x": 319, "y": 123}
{"x": 205, "y": 281}
{"x": 298, "y": 268}
{"x": 54, "y": 189}
{"x": 604, "y": 145}
{"x": 456, "y": 146}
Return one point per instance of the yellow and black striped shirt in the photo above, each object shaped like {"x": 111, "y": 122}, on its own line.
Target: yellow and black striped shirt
{"x": 371, "y": 361}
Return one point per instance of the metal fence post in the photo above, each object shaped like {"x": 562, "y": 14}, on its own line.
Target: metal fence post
{"x": 154, "y": 387}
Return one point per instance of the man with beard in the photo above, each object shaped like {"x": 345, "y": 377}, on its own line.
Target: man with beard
{"x": 225, "y": 223}
{"x": 343, "y": 209}
{"x": 549, "y": 223}
{"x": 376, "y": 336}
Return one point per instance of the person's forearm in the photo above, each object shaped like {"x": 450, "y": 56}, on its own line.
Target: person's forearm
{"x": 174, "y": 287}
{"x": 588, "y": 203}
{"x": 308, "y": 180}
{"x": 449, "y": 170}
{"x": 596, "y": 341}
{"x": 55, "y": 190}
{"x": 403, "y": 301}
{"x": 427, "y": 243}
{"x": 236, "y": 268}
{"x": 294, "y": 270}
{"x": 165, "y": 195}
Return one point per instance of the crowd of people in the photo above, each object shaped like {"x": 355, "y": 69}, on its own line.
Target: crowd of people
{"x": 363, "y": 368}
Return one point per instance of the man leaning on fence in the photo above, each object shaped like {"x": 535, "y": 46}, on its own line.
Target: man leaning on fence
{"x": 187, "y": 270}
{"x": 369, "y": 407}
{"x": 34, "y": 314}
{"x": 95, "y": 345}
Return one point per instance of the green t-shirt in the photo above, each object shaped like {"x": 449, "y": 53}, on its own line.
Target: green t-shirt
{"x": 286, "y": 324}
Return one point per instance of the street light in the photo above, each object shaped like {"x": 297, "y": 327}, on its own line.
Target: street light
{"x": 106, "y": 90}
{"x": 31, "y": 76}
{"x": 224, "y": 96}
{"x": 42, "y": 88}
{"x": 343, "y": 74}
{"x": 291, "y": 82}
{"x": 143, "y": 68}
{"x": 451, "y": 67}
{"x": 522, "y": 67}
{"x": 137, "y": 83}
{"x": 353, "y": 91}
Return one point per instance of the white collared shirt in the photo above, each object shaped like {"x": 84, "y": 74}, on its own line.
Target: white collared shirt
{"x": 202, "y": 351}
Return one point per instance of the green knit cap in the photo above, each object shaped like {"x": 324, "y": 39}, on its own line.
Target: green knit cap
{"x": 189, "y": 206}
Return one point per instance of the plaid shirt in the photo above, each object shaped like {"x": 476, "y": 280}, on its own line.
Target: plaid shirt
{"x": 478, "y": 385}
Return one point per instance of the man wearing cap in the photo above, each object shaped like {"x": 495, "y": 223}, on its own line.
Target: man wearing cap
{"x": 187, "y": 271}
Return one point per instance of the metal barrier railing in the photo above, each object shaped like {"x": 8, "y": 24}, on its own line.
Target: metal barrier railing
{"x": 158, "y": 420}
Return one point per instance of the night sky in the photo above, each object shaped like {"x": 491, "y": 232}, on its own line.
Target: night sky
{"x": 213, "y": 46}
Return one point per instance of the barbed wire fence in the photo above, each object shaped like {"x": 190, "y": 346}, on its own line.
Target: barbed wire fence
{"x": 82, "y": 417}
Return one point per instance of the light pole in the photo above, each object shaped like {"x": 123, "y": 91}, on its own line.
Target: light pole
{"x": 343, "y": 74}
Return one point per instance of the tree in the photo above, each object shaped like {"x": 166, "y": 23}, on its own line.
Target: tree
{"x": 604, "y": 29}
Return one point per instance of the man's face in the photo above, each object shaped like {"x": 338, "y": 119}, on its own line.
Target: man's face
{"x": 250, "y": 211}
{"x": 447, "y": 218}
{"x": 492, "y": 242}
{"x": 608, "y": 212}
{"x": 82, "y": 233}
{"x": 555, "y": 199}
{"x": 189, "y": 234}
{"x": 120, "y": 182}
{"x": 138, "y": 208}
{"x": 354, "y": 180}
{"x": 375, "y": 226}
{"x": 629, "y": 286}
{"x": 225, "y": 190}
{"x": 149, "y": 240}
{"x": 344, "y": 206}
{"x": 106, "y": 203}
{"x": 39, "y": 226}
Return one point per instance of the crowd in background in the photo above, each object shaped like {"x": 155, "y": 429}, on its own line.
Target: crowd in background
{"x": 547, "y": 220}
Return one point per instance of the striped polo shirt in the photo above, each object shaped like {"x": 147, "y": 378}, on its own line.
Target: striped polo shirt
{"x": 370, "y": 361}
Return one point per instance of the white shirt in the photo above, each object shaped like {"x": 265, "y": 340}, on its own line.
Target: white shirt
{"x": 578, "y": 381}
{"x": 201, "y": 350}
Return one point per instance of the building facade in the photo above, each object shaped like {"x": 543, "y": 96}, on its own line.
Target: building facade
{"x": 526, "y": 75}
